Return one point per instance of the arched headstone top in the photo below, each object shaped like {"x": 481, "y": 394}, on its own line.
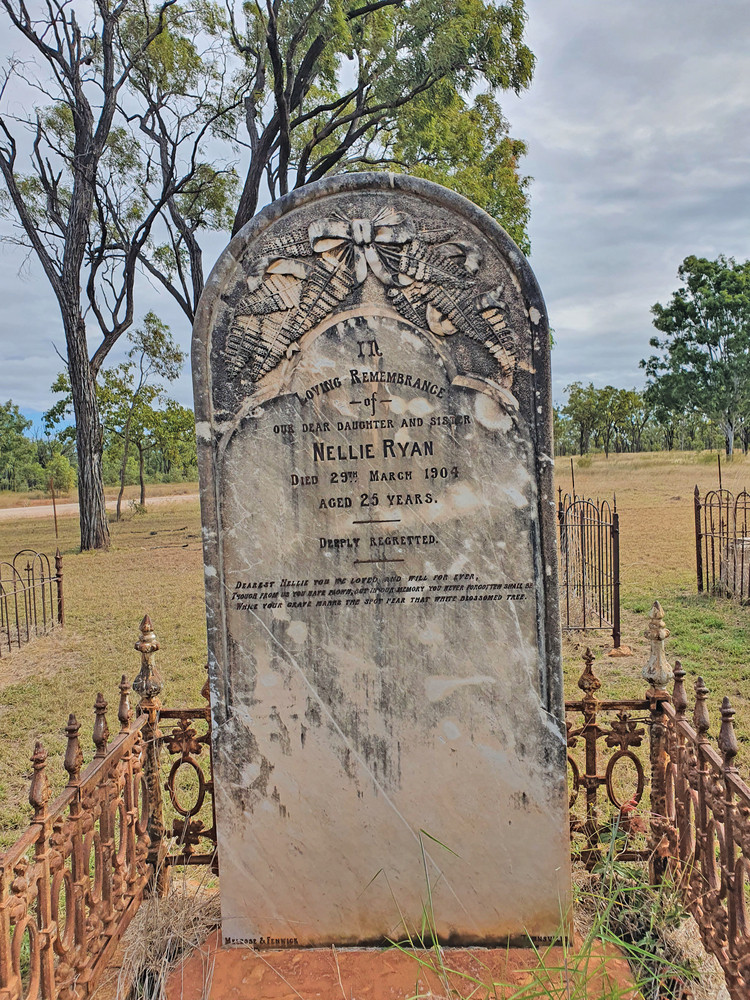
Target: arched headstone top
{"x": 397, "y": 246}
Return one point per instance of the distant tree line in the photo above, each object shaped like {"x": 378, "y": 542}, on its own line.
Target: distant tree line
{"x": 148, "y": 437}
{"x": 31, "y": 457}
{"x": 698, "y": 391}
{"x": 626, "y": 420}
{"x": 32, "y": 461}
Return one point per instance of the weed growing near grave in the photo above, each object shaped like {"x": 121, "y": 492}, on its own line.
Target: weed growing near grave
{"x": 166, "y": 930}
{"x": 624, "y": 917}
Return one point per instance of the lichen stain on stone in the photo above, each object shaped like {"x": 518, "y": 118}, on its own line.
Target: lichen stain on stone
{"x": 276, "y": 797}
{"x": 281, "y": 736}
{"x": 313, "y": 713}
{"x": 253, "y": 772}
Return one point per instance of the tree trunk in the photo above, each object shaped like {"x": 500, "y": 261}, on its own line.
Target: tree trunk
{"x": 123, "y": 467}
{"x": 141, "y": 474}
{"x": 89, "y": 438}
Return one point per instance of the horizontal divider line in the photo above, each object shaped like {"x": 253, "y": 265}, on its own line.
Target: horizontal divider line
{"x": 357, "y": 561}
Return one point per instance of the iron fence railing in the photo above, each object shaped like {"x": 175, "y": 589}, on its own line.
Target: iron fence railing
{"x": 683, "y": 807}
{"x": 645, "y": 784}
{"x": 722, "y": 543}
{"x": 589, "y": 554}
{"x": 31, "y": 597}
{"x": 71, "y": 884}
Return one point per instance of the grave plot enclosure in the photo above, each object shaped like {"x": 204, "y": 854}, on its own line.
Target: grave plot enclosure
{"x": 371, "y": 377}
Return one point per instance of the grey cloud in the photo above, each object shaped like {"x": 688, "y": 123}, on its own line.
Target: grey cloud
{"x": 639, "y": 146}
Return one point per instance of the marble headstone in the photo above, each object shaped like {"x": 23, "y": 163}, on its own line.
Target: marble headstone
{"x": 371, "y": 371}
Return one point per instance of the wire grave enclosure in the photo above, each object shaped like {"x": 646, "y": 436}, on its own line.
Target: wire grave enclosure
{"x": 722, "y": 543}
{"x": 589, "y": 553}
{"x": 31, "y": 598}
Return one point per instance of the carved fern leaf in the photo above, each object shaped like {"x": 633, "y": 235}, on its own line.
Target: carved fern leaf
{"x": 327, "y": 284}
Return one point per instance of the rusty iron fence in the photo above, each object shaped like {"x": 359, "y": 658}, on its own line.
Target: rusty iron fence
{"x": 589, "y": 554}
{"x": 722, "y": 543}
{"x": 645, "y": 785}
{"x": 31, "y": 597}
{"x": 71, "y": 884}
{"x": 694, "y": 823}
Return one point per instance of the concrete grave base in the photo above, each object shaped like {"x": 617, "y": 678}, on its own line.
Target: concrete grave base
{"x": 216, "y": 973}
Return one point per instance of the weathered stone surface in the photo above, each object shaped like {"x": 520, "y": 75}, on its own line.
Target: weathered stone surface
{"x": 372, "y": 401}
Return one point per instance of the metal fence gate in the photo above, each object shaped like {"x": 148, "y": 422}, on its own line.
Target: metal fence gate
{"x": 31, "y": 597}
{"x": 722, "y": 543}
{"x": 589, "y": 547}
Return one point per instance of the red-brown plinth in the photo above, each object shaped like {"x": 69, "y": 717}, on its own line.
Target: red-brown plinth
{"x": 216, "y": 973}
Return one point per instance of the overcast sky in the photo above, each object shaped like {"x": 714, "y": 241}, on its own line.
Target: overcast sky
{"x": 638, "y": 126}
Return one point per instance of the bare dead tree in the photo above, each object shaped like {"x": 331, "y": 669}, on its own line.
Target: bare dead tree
{"x": 56, "y": 161}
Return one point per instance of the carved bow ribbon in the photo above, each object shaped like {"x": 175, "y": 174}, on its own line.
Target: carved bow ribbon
{"x": 364, "y": 238}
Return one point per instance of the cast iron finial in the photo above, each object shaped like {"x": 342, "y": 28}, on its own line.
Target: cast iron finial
{"x": 657, "y": 671}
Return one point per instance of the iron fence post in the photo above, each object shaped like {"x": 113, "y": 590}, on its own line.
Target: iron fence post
{"x": 658, "y": 834}
{"x": 727, "y": 743}
{"x": 59, "y": 578}
{"x": 616, "y": 635}
{"x": 148, "y": 686}
{"x": 698, "y": 539}
{"x": 589, "y": 683}
{"x": 658, "y": 673}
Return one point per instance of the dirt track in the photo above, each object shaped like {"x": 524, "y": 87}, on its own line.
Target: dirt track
{"x": 67, "y": 509}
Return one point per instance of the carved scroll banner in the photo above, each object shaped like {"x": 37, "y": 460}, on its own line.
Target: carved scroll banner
{"x": 371, "y": 370}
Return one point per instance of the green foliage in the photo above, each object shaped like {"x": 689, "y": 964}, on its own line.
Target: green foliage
{"x": 465, "y": 147}
{"x": 582, "y": 412}
{"x": 395, "y": 85}
{"x": 16, "y": 451}
{"x": 704, "y": 360}
{"x": 136, "y": 412}
{"x": 626, "y": 420}
{"x": 27, "y": 463}
{"x": 60, "y": 473}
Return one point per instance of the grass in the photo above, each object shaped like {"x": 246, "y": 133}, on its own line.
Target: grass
{"x": 154, "y": 565}
{"x": 710, "y": 636}
{"x": 163, "y": 931}
{"x": 618, "y": 915}
{"x": 32, "y": 498}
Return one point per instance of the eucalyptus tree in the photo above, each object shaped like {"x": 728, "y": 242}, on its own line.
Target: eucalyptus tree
{"x": 83, "y": 189}
{"x": 704, "y": 359}
{"x": 327, "y": 86}
{"x": 127, "y": 395}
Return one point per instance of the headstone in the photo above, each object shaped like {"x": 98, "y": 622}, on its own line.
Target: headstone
{"x": 371, "y": 368}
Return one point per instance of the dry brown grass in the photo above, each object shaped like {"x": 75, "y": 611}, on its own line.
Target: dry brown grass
{"x": 154, "y": 565}
{"x": 33, "y": 498}
{"x": 163, "y": 932}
